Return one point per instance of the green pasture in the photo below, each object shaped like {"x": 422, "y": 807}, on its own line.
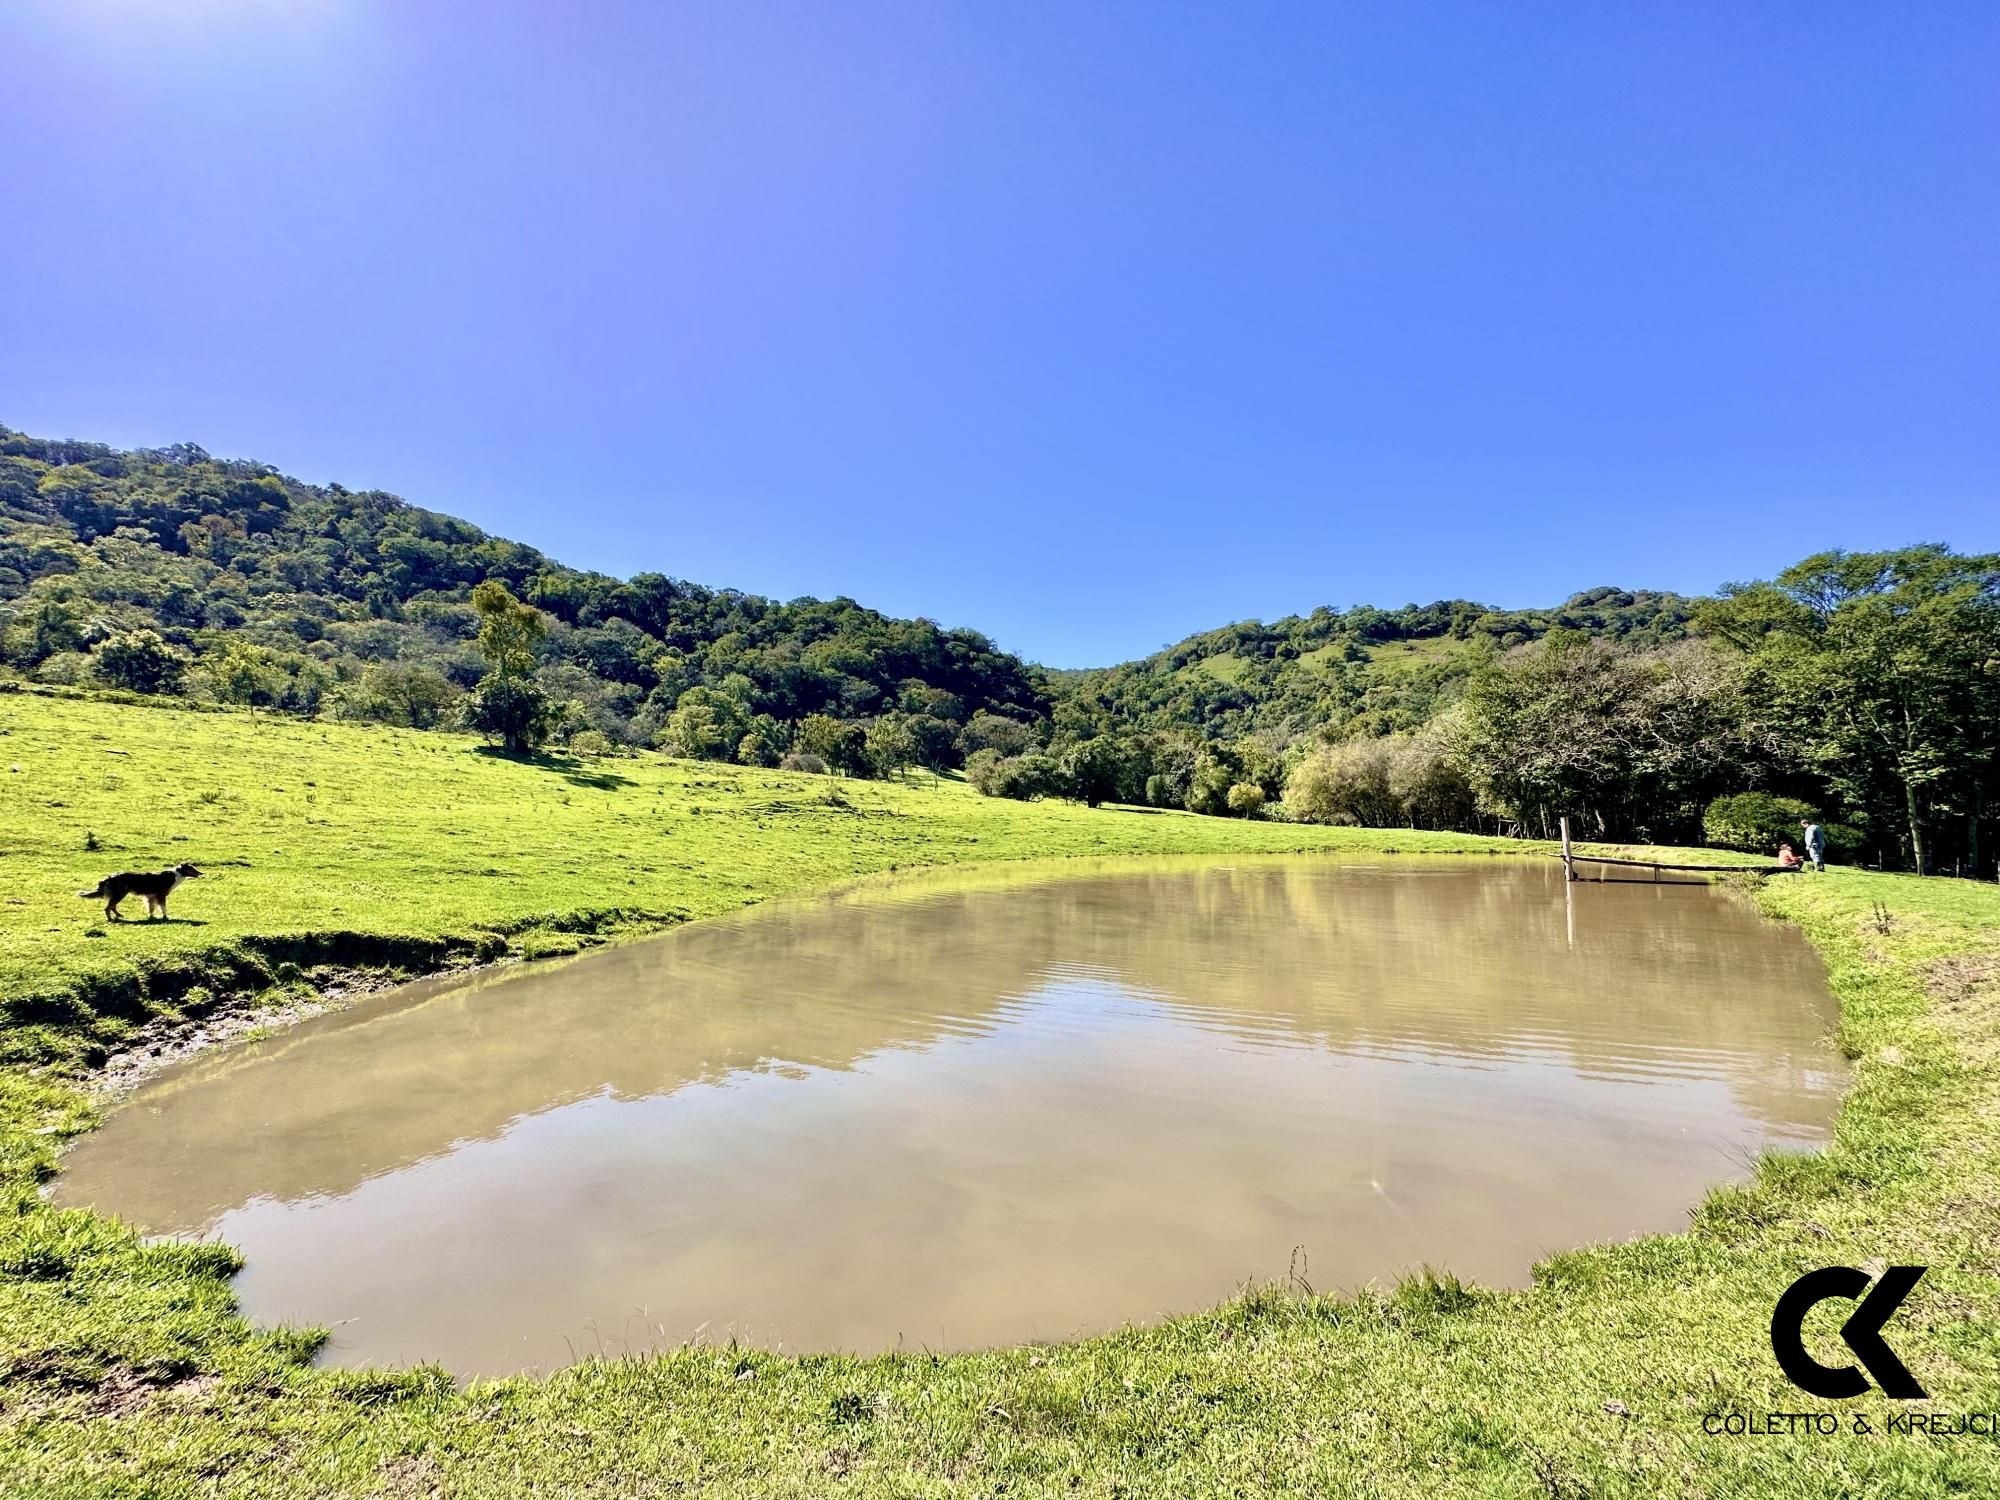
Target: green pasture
{"x": 332, "y": 851}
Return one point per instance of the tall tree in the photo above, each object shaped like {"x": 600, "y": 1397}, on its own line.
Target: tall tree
{"x": 506, "y": 703}
{"x": 1885, "y": 668}
{"x": 509, "y": 630}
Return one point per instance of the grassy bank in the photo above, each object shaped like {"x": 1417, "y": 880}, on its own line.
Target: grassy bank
{"x": 351, "y": 848}
{"x": 334, "y": 850}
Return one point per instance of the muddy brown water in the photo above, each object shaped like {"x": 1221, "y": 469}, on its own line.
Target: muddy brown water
{"x": 986, "y": 1108}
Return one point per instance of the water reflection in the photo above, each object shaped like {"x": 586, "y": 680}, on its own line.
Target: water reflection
{"x": 985, "y": 1108}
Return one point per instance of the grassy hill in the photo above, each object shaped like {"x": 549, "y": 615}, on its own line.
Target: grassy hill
{"x": 332, "y": 849}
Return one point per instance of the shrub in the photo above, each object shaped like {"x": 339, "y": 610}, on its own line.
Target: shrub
{"x": 1346, "y": 783}
{"x": 590, "y": 742}
{"x": 1756, "y": 822}
{"x": 1021, "y": 777}
{"x": 763, "y": 743}
{"x": 803, "y": 760}
{"x": 991, "y": 731}
{"x": 140, "y": 661}
{"x": 393, "y": 692}
{"x": 1246, "y": 799}
{"x": 1208, "y": 788}
{"x": 64, "y": 669}
{"x": 982, "y": 769}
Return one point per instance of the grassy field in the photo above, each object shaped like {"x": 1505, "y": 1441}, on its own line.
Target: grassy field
{"x": 1226, "y": 668}
{"x": 1400, "y": 658}
{"x": 332, "y": 850}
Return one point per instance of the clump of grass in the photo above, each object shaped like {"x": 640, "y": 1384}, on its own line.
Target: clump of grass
{"x": 538, "y": 942}
{"x": 1429, "y": 1294}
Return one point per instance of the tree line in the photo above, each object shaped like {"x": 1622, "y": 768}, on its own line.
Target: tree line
{"x": 1859, "y": 689}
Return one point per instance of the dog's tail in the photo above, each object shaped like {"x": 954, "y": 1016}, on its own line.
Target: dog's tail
{"x": 93, "y": 892}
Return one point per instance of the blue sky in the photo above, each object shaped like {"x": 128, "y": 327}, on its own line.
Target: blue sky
{"x": 1088, "y": 324}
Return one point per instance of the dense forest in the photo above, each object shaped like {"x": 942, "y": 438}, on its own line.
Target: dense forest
{"x": 1859, "y": 689}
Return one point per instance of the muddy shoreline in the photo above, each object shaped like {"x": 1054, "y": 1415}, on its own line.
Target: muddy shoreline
{"x": 319, "y": 992}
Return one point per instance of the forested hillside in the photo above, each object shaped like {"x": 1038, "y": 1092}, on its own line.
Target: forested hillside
{"x": 1863, "y": 690}
{"x": 169, "y": 569}
{"x": 1357, "y": 671}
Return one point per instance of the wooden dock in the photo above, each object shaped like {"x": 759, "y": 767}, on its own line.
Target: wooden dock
{"x": 1572, "y": 860}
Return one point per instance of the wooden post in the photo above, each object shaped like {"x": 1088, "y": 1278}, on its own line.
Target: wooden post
{"x": 1569, "y": 864}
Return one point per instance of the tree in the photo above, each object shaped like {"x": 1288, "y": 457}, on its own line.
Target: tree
{"x": 1024, "y": 778}
{"x": 1883, "y": 668}
{"x": 1169, "y": 765}
{"x": 990, "y": 731}
{"x": 1257, "y": 763}
{"x": 509, "y": 631}
{"x": 1246, "y": 799}
{"x": 245, "y": 674}
{"x": 1348, "y": 783}
{"x": 844, "y": 747}
{"x": 890, "y": 745}
{"x": 53, "y": 625}
{"x": 934, "y": 741}
{"x": 506, "y": 704}
{"x": 1208, "y": 786}
{"x": 705, "y": 725}
{"x": 763, "y": 742}
{"x": 1428, "y": 780}
{"x": 400, "y": 693}
{"x": 140, "y": 661}
{"x": 1092, "y": 770}
{"x": 512, "y": 710}
{"x": 1541, "y": 734}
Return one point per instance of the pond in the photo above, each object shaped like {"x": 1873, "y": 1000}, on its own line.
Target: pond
{"x": 987, "y": 1107}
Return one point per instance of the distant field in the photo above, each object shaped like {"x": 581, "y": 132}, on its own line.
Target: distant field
{"x": 1224, "y": 668}
{"x": 1394, "y": 658}
{"x": 124, "y": 1370}
{"x": 1390, "y": 659}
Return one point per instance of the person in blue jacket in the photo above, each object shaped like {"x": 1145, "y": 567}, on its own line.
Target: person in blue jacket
{"x": 1815, "y": 842}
